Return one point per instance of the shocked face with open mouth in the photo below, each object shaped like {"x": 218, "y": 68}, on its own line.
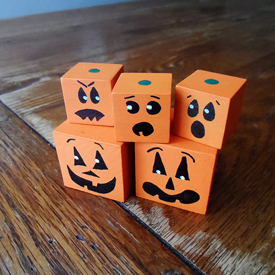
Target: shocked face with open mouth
{"x": 142, "y": 105}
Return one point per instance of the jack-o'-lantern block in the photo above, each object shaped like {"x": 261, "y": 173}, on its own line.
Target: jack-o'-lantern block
{"x": 207, "y": 107}
{"x": 178, "y": 174}
{"x": 87, "y": 89}
{"x": 91, "y": 160}
{"x": 142, "y": 106}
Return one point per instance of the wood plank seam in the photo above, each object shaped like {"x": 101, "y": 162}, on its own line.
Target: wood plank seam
{"x": 136, "y": 218}
{"x": 162, "y": 241}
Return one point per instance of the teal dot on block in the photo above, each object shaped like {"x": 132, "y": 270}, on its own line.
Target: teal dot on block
{"x": 95, "y": 70}
{"x": 211, "y": 81}
{"x": 144, "y": 82}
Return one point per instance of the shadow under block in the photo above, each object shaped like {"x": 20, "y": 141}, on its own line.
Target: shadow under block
{"x": 207, "y": 107}
{"x": 87, "y": 89}
{"x": 178, "y": 174}
{"x": 142, "y": 106}
{"x": 91, "y": 160}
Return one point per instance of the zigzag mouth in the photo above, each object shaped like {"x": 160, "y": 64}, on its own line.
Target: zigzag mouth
{"x": 90, "y": 113}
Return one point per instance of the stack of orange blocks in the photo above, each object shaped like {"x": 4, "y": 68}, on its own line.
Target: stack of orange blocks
{"x": 119, "y": 125}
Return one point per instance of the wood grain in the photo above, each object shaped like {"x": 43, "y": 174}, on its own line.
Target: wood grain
{"x": 47, "y": 229}
{"x": 237, "y": 236}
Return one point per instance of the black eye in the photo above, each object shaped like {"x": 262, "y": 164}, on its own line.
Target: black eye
{"x": 78, "y": 159}
{"x": 193, "y": 108}
{"x": 82, "y": 96}
{"x": 158, "y": 167}
{"x": 182, "y": 172}
{"x": 99, "y": 162}
{"x": 153, "y": 108}
{"x": 132, "y": 107}
{"x": 94, "y": 96}
{"x": 209, "y": 112}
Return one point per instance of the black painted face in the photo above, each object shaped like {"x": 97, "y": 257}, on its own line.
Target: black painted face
{"x": 197, "y": 127}
{"x": 101, "y": 188}
{"x": 152, "y": 108}
{"x": 185, "y": 197}
{"x": 94, "y": 98}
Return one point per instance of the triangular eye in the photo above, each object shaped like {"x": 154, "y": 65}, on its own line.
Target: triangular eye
{"x": 182, "y": 172}
{"x": 158, "y": 167}
{"x": 99, "y": 162}
{"x": 78, "y": 159}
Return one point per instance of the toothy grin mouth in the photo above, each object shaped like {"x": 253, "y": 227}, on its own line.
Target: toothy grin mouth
{"x": 102, "y": 188}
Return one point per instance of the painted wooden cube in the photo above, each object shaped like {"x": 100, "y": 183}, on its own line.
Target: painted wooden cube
{"x": 178, "y": 174}
{"x": 87, "y": 89}
{"x": 207, "y": 107}
{"x": 91, "y": 160}
{"x": 142, "y": 106}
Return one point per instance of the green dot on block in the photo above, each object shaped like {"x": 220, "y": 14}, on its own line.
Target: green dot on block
{"x": 94, "y": 70}
{"x": 211, "y": 81}
{"x": 144, "y": 82}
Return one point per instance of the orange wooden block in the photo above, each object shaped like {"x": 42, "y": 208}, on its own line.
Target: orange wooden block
{"x": 87, "y": 91}
{"x": 142, "y": 104}
{"x": 178, "y": 174}
{"x": 91, "y": 160}
{"x": 207, "y": 107}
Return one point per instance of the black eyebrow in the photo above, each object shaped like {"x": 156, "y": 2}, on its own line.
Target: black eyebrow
{"x": 70, "y": 139}
{"x": 82, "y": 83}
{"x": 155, "y": 96}
{"x": 189, "y": 96}
{"x": 189, "y": 156}
{"x": 218, "y": 102}
{"x": 154, "y": 148}
{"x": 99, "y": 145}
{"x": 129, "y": 96}
{"x": 91, "y": 84}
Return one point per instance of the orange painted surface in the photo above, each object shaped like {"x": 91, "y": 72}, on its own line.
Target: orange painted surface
{"x": 207, "y": 107}
{"x": 178, "y": 174}
{"x": 142, "y": 106}
{"x": 92, "y": 161}
{"x": 87, "y": 89}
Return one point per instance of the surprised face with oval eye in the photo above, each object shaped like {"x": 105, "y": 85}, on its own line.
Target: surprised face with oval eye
{"x": 142, "y": 107}
{"x": 197, "y": 127}
{"x": 153, "y": 107}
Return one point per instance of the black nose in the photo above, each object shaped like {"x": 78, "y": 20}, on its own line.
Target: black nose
{"x": 144, "y": 127}
{"x": 91, "y": 173}
{"x": 170, "y": 184}
{"x": 197, "y": 129}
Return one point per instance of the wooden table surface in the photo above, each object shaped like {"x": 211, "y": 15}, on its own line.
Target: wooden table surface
{"x": 48, "y": 229}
